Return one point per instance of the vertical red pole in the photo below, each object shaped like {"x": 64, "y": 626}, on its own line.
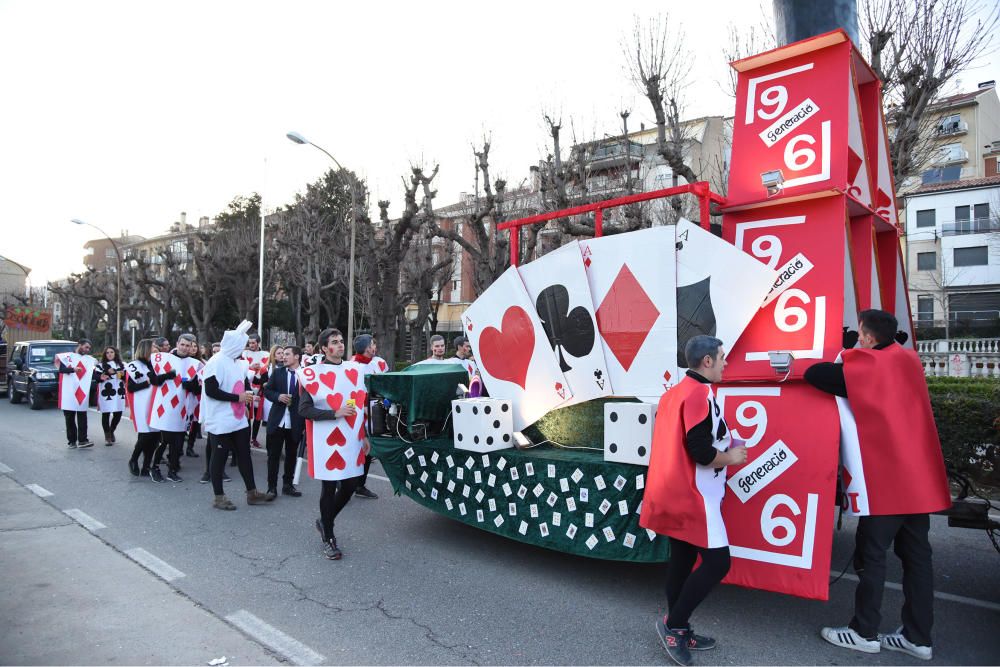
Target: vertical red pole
{"x": 599, "y": 223}
{"x": 705, "y": 206}
{"x": 515, "y": 245}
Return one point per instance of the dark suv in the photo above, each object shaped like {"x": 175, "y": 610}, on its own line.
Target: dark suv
{"x": 31, "y": 372}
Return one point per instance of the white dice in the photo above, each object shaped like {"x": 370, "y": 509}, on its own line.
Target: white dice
{"x": 628, "y": 432}
{"x": 482, "y": 424}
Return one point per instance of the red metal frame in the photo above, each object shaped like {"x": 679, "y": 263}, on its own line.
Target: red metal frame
{"x": 699, "y": 189}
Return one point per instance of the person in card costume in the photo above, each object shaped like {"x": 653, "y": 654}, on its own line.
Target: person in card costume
{"x": 194, "y": 401}
{"x": 110, "y": 391}
{"x": 340, "y": 474}
{"x": 139, "y": 398}
{"x": 366, "y": 354}
{"x": 438, "y": 350}
{"x": 172, "y": 441}
{"x": 226, "y": 399}
{"x": 684, "y": 489}
{"x": 894, "y": 477}
{"x": 76, "y": 419}
{"x": 463, "y": 355}
{"x": 258, "y": 378}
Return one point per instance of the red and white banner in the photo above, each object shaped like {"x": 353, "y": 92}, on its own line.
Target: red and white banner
{"x": 74, "y": 388}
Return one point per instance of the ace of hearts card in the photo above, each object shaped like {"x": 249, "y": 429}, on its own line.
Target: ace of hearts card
{"x": 335, "y": 446}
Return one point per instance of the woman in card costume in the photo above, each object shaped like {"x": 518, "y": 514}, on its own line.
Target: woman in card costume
{"x": 139, "y": 397}
{"x": 684, "y": 489}
{"x": 111, "y": 391}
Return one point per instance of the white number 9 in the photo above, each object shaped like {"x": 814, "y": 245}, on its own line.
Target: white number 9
{"x": 770, "y": 523}
{"x": 775, "y": 97}
{"x": 757, "y": 419}
{"x": 767, "y": 247}
{"x": 791, "y": 318}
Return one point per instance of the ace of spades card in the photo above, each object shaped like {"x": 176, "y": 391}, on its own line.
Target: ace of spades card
{"x": 719, "y": 287}
{"x": 515, "y": 359}
{"x": 74, "y": 388}
{"x": 169, "y": 406}
{"x": 335, "y": 446}
{"x": 632, "y": 278}
{"x": 557, "y": 285}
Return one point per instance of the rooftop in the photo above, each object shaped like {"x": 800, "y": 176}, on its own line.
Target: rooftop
{"x": 951, "y": 186}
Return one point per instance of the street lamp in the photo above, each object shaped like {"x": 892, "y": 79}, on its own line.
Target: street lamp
{"x": 26, "y": 277}
{"x": 299, "y": 139}
{"x": 118, "y": 281}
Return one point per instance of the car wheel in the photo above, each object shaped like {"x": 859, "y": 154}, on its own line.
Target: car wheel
{"x": 13, "y": 395}
{"x": 36, "y": 400}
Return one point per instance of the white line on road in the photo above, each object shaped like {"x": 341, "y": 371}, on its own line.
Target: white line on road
{"x": 275, "y": 639}
{"x": 84, "y": 519}
{"x": 154, "y": 564}
{"x": 950, "y": 597}
{"x": 38, "y": 490}
{"x": 5, "y": 470}
{"x": 384, "y": 479}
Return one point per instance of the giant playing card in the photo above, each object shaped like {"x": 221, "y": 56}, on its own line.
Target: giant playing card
{"x": 169, "y": 402}
{"x": 335, "y": 446}
{"x": 515, "y": 358}
{"x": 557, "y": 285}
{"x": 193, "y": 402}
{"x": 111, "y": 391}
{"x": 74, "y": 388}
{"x": 140, "y": 402}
{"x": 719, "y": 287}
{"x": 632, "y": 279}
{"x": 257, "y": 364}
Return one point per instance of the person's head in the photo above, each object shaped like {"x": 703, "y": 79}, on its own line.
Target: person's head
{"x": 365, "y": 344}
{"x": 161, "y": 344}
{"x": 706, "y": 357}
{"x": 187, "y": 345}
{"x": 437, "y": 346}
{"x": 143, "y": 349}
{"x": 275, "y": 356}
{"x": 253, "y": 342}
{"x": 308, "y": 348}
{"x": 331, "y": 344}
{"x": 293, "y": 355}
{"x": 83, "y": 346}
{"x": 215, "y": 348}
{"x": 463, "y": 348}
{"x": 877, "y": 327}
{"x": 111, "y": 354}
{"x": 204, "y": 352}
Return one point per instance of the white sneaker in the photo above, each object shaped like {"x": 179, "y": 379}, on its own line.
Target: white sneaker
{"x": 846, "y": 637}
{"x": 895, "y": 641}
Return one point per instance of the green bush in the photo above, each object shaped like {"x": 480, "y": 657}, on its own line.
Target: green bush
{"x": 967, "y": 412}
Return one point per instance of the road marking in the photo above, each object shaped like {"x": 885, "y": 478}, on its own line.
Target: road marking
{"x": 950, "y": 597}
{"x": 84, "y": 519}
{"x": 38, "y": 490}
{"x": 5, "y": 470}
{"x": 153, "y": 564}
{"x": 275, "y": 639}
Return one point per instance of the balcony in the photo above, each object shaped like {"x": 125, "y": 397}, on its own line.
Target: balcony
{"x": 952, "y": 128}
{"x": 610, "y": 156}
{"x": 952, "y": 157}
{"x": 974, "y": 226}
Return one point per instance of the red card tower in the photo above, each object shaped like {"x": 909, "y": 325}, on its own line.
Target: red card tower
{"x": 811, "y": 195}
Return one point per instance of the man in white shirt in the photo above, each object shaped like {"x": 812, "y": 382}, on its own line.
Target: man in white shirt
{"x": 284, "y": 425}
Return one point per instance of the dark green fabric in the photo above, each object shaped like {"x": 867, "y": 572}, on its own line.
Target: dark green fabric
{"x": 424, "y": 391}
{"x": 578, "y": 425}
{"x": 397, "y": 455}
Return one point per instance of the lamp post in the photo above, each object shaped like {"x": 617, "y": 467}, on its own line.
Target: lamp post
{"x": 26, "y": 278}
{"x": 133, "y": 325}
{"x": 299, "y": 139}
{"x": 118, "y": 281}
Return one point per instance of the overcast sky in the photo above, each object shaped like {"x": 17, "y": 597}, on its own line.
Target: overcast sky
{"x": 124, "y": 114}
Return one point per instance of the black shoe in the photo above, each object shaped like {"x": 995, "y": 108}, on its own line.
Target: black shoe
{"x": 290, "y": 490}
{"x": 675, "y": 642}
{"x": 271, "y": 494}
{"x": 330, "y": 549}
{"x": 173, "y": 476}
{"x": 71, "y": 445}
{"x": 226, "y": 478}
{"x": 133, "y": 467}
{"x": 363, "y": 492}
{"x": 698, "y": 642}
{"x": 83, "y": 444}
{"x": 205, "y": 479}
{"x": 193, "y": 454}
{"x": 155, "y": 474}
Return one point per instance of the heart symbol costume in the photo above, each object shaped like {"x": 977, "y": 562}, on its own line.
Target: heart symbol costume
{"x": 239, "y": 409}
{"x": 329, "y": 379}
{"x": 506, "y": 352}
{"x": 336, "y": 461}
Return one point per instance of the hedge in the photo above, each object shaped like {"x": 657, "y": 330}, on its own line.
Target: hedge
{"x": 967, "y": 412}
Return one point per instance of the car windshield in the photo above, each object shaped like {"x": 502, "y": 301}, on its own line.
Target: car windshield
{"x": 46, "y": 354}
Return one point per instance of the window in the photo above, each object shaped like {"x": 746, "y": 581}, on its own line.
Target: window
{"x": 962, "y": 219}
{"x": 925, "y": 309}
{"x": 981, "y": 212}
{"x": 975, "y": 256}
{"x": 941, "y": 175}
{"x": 950, "y": 123}
{"x": 951, "y": 153}
{"x": 109, "y": 253}
{"x": 926, "y": 261}
{"x": 926, "y": 218}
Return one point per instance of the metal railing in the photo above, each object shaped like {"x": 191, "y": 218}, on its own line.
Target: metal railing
{"x": 971, "y": 226}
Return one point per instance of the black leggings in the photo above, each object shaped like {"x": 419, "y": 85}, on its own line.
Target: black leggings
{"x": 194, "y": 432}
{"x": 239, "y": 442}
{"x": 145, "y": 444}
{"x": 334, "y": 496}
{"x": 686, "y": 589}
{"x": 109, "y": 420}
{"x": 171, "y": 442}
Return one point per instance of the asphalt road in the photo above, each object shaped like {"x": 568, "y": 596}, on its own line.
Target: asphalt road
{"x": 416, "y": 588}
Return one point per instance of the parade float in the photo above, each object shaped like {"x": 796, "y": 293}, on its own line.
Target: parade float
{"x": 576, "y": 347}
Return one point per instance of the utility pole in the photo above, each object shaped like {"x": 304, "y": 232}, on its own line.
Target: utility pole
{"x": 800, "y": 19}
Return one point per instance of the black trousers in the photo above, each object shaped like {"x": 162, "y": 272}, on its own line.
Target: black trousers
{"x": 76, "y": 425}
{"x": 333, "y": 498}
{"x": 368, "y": 466}
{"x": 194, "y": 432}
{"x": 907, "y": 533}
{"x": 171, "y": 442}
{"x": 145, "y": 444}
{"x": 109, "y": 420}
{"x": 239, "y": 442}
{"x": 686, "y": 589}
{"x": 281, "y": 440}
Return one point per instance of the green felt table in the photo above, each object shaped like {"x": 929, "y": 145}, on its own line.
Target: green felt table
{"x": 550, "y": 479}
{"x": 425, "y": 391}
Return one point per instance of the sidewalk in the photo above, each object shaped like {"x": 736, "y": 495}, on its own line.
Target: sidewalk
{"x": 70, "y": 599}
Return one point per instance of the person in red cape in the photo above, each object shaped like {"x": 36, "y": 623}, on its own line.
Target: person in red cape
{"x": 365, "y": 351}
{"x": 683, "y": 500}
{"x": 891, "y": 452}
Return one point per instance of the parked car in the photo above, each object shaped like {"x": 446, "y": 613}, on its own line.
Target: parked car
{"x": 32, "y": 374}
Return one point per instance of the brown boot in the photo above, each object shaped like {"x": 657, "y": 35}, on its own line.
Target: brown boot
{"x": 255, "y": 497}
{"x": 223, "y": 503}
